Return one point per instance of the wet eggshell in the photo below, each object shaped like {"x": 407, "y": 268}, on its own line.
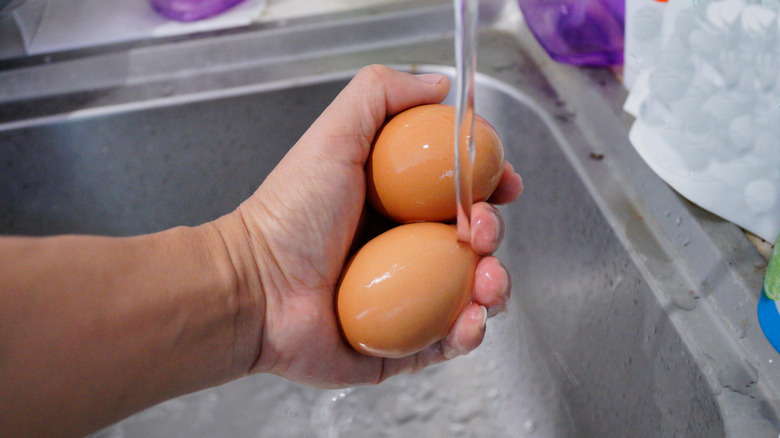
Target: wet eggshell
{"x": 410, "y": 171}
{"x": 404, "y": 289}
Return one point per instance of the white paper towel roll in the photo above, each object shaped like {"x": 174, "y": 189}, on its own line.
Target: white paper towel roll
{"x": 708, "y": 109}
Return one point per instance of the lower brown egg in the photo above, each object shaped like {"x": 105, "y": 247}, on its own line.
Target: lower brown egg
{"x": 404, "y": 289}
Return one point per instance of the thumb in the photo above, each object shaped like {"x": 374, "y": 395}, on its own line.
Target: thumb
{"x": 347, "y": 127}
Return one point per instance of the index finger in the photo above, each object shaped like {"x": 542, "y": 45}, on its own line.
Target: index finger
{"x": 509, "y": 187}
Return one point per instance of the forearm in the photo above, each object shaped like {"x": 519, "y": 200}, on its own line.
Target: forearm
{"x": 95, "y": 328}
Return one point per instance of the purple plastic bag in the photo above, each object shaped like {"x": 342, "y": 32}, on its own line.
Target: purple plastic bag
{"x": 192, "y": 10}
{"x": 581, "y": 32}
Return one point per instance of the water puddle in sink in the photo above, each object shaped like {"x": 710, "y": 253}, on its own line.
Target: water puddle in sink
{"x": 504, "y": 391}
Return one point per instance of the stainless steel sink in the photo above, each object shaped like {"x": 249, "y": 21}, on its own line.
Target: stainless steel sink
{"x": 633, "y": 312}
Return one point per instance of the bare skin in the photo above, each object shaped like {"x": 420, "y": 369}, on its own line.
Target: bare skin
{"x": 93, "y": 329}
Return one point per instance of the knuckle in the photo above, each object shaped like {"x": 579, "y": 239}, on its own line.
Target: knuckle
{"x": 371, "y": 73}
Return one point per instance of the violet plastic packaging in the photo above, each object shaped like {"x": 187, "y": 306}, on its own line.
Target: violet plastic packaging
{"x": 192, "y": 10}
{"x": 580, "y": 32}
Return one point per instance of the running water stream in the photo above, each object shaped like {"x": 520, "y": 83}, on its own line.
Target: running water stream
{"x": 466, "y": 14}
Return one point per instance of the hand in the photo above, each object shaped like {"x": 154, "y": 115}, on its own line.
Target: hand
{"x": 294, "y": 234}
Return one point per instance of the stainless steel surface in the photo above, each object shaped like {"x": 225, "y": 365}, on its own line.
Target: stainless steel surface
{"x": 7, "y": 6}
{"x": 633, "y": 312}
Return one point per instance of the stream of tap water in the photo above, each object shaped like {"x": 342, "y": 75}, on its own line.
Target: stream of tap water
{"x": 466, "y": 15}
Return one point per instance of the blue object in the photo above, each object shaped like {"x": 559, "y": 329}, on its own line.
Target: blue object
{"x": 769, "y": 319}
{"x": 768, "y": 310}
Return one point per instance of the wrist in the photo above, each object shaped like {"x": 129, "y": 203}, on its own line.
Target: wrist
{"x": 230, "y": 248}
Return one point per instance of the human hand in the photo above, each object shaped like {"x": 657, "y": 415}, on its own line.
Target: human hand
{"x": 290, "y": 240}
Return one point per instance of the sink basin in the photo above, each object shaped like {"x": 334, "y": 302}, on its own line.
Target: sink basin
{"x": 633, "y": 311}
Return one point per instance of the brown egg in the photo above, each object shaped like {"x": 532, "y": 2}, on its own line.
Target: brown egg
{"x": 404, "y": 289}
{"x": 411, "y": 168}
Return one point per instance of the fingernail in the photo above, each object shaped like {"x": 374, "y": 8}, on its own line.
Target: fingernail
{"x": 501, "y": 228}
{"x": 484, "y": 317}
{"x": 430, "y": 78}
{"x": 505, "y": 283}
{"x": 490, "y": 234}
{"x": 448, "y": 351}
{"x": 495, "y": 310}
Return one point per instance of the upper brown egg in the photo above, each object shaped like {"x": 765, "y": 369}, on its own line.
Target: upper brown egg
{"x": 411, "y": 168}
